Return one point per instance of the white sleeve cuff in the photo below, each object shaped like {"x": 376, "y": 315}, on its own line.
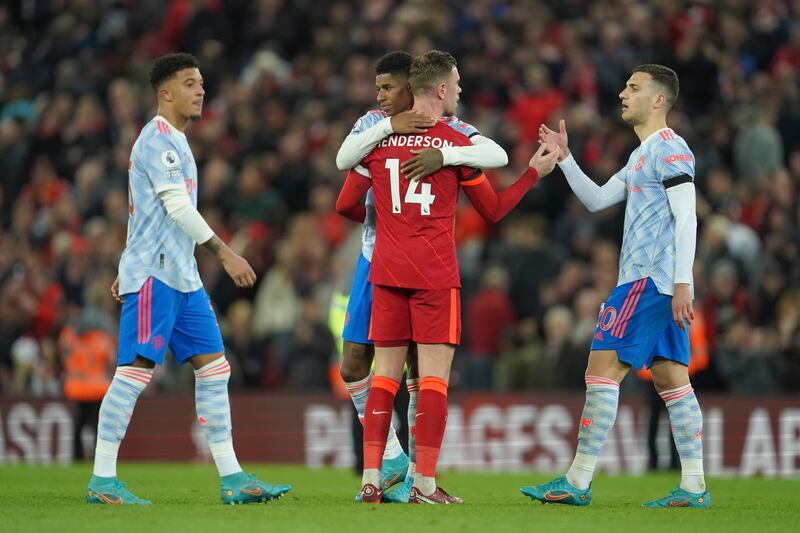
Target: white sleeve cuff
{"x": 483, "y": 153}
{"x": 181, "y": 210}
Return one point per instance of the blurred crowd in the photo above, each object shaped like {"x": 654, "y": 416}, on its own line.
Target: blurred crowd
{"x": 285, "y": 81}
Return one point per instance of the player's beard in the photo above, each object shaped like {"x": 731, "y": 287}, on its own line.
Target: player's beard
{"x": 195, "y": 118}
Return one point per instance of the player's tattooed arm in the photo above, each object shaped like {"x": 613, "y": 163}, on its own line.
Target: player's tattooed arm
{"x": 236, "y": 266}
{"x": 213, "y": 245}
{"x": 482, "y": 153}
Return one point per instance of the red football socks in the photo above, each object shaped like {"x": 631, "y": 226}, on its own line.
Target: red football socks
{"x": 431, "y": 421}
{"x": 378, "y": 418}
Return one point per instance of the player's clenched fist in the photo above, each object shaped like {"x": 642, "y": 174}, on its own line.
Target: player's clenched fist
{"x": 545, "y": 159}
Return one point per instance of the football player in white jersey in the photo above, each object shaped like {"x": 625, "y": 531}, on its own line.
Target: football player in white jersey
{"x": 395, "y": 99}
{"x": 163, "y": 300}
{"x": 646, "y": 318}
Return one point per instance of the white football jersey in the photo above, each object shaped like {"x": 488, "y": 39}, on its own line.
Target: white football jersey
{"x": 156, "y": 245}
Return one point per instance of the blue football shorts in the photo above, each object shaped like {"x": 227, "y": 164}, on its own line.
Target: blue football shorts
{"x": 158, "y": 316}
{"x": 359, "y": 306}
{"x": 636, "y": 321}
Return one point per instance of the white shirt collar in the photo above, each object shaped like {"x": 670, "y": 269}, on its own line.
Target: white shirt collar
{"x": 176, "y": 130}
{"x": 653, "y": 135}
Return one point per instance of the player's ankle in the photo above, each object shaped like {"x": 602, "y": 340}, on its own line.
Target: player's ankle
{"x": 372, "y": 476}
{"x": 425, "y": 484}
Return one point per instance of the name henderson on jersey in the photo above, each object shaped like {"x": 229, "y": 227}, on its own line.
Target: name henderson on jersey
{"x": 412, "y": 141}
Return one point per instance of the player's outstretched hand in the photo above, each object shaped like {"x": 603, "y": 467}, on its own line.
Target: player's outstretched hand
{"x": 424, "y": 163}
{"x": 545, "y": 159}
{"x": 682, "y": 311}
{"x": 559, "y": 138}
{"x": 115, "y": 290}
{"x": 238, "y": 269}
{"x": 412, "y": 122}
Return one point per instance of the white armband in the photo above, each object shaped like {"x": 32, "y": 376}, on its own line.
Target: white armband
{"x": 682, "y": 202}
{"x": 484, "y": 153}
{"x": 181, "y": 210}
{"x": 357, "y": 146}
{"x": 593, "y": 196}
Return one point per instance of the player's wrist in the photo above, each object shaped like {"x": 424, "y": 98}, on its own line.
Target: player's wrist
{"x": 566, "y": 160}
{"x": 563, "y": 153}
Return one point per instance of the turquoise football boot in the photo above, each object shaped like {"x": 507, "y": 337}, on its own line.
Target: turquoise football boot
{"x": 559, "y": 491}
{"x": 111, "y": 491}
{"x": 393, "y": 471}
{"x": 401, "y": 493}
{"x": 682, "y": 498}
{"x": 241, "y": 488}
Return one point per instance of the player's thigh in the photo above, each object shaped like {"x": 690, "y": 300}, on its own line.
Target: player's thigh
{"x": 630, "y": 324}
{"x": 436, "y": 316}
{"x": 670, "y": 358}
{"x": 147, "y": 323}
{"x": 390, "y": 360}
{"x": 390, "y": 323}
{"x": 359, "y": 305}
{"x": 196, "y": 329}
{"x": 435, "y": 360}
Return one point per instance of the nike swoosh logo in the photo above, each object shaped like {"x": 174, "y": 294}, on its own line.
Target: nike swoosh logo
{"x": 680, "y": 503}
{"x": 374, "y": 412}
{"x": 419, "y": 414}
{"x": 389, "y": 482}
{"x": 549, "y": 496}
{"x": 254, "y": 492}
{"x": 107, "y": 499}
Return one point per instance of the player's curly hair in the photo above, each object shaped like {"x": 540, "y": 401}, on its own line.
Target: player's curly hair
{"x": 430, "y": 69}
{"x": 166, "y": 66}
{"x": 665, "y": 77}
{"x": 395, "y": 63}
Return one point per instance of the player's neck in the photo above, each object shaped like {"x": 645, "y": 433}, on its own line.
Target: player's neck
{"x": 177, "y": 120}
{"x": 428, "y": 106}
{"x": 645, "y": 129}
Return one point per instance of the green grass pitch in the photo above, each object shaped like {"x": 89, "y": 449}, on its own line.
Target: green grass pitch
{"x": 186, "y": 498}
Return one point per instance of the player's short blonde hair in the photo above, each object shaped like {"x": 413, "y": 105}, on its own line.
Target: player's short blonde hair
{"x": 429, "y": 70}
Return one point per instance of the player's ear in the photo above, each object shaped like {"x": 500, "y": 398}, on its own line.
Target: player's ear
{"x": 441, "y": 90}
{"x": 165, "y": 94}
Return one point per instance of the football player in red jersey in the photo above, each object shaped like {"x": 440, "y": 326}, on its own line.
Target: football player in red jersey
{"x": 395, "y": 99}
{"x": 414, "y": 269}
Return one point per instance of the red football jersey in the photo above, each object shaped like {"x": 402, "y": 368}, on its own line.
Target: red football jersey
{"x": 414, "y": 244}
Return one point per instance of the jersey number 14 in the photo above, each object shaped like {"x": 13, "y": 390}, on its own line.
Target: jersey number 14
{"x": 424, "y": 197}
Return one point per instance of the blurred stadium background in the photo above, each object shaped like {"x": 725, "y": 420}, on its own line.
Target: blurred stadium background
{"x": 285, "y": 81}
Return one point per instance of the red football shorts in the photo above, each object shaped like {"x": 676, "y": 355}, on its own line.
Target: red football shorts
{"x": 424, "y": 316}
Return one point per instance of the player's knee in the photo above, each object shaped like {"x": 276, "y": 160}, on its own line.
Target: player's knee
{"x": 357, "y": 361}
{"x": 669, "y": 375}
